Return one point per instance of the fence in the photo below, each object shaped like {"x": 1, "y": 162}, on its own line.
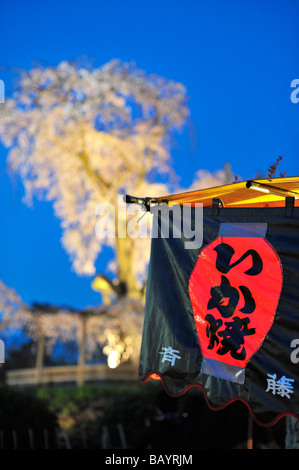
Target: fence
{"x": 69, "y": 374}
{"x": 63, "y": 439}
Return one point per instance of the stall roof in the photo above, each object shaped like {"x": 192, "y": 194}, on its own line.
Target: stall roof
{"x": 251, "y": 193}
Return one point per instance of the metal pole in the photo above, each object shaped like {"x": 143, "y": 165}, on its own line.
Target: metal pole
{"x": 249, "y": 431}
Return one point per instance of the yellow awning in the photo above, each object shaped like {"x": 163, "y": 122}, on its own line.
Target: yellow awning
{"x": 252, "y": 193}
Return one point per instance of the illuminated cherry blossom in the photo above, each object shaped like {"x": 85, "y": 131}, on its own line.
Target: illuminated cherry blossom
{"x": 79, "y": 136}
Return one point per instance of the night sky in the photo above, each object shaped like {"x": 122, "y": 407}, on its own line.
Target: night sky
{"x": 237, "y": 61}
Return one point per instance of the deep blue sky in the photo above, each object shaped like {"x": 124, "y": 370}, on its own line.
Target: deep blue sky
{"x": 236, "y": 59}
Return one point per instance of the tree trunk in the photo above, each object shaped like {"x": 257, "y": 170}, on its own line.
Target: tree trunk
{"x": 81, "y": 355}
{"x": 40, "y": 356}
{"x": 124, "y": 250}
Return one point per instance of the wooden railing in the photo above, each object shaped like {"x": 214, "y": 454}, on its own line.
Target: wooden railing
{"x": 69, "y": 374}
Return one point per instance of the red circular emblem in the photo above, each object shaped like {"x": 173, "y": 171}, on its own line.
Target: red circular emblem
{"x": 234, "y": 290}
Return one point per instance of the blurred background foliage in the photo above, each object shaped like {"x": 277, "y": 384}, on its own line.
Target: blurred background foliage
{"x": 123, "y": 417}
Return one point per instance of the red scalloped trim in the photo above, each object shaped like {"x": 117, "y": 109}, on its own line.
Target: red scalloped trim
{"x": 157, "y": 376}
